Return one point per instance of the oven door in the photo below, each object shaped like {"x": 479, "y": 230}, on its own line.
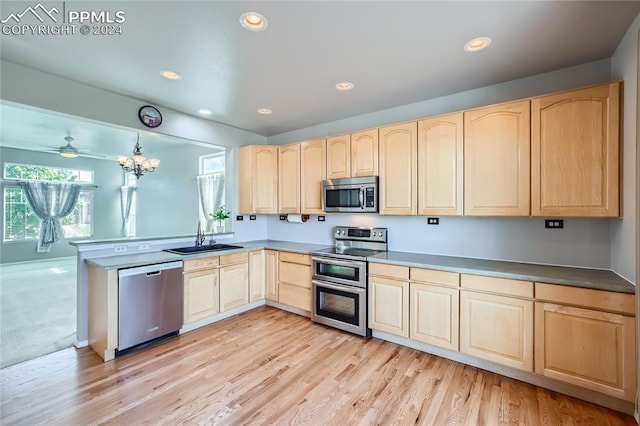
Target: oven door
{"x": 340, "y": 306}
{"x": 349, "y": 272}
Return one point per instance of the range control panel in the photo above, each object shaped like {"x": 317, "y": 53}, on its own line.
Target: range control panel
{"x": 360, "y": 234}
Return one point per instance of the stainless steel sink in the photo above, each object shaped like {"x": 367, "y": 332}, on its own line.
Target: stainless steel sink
{"x": 202, "y": 249}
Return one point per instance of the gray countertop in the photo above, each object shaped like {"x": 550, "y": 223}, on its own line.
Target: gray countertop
{"x": 155, "y": 257}
{"x": 577, "y": 277}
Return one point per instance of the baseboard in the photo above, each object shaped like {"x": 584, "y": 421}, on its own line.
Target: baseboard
{"x": 288, "y": 308}
{"x": 81, "y": 344}
{"x": 223, "y": 315}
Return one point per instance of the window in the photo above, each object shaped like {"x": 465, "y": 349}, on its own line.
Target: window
{"x": 21, "y": 223}
{"x": 211, "y": 186}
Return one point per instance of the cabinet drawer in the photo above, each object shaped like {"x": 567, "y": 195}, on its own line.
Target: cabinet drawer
{"x": 201, "y": 263}
{"x": 497, "y": 285}
{"x": 599, "y": 299}
{"x": 392, "y": 271}
{"x": 451, "y": 279}
{"x": 230, "y": 259}
{"x": 293, "y": 295}
{"x": 303, "y": 259}
{"x": 295, "y": 274}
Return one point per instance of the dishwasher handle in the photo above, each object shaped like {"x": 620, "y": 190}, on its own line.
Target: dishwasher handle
{"x": 149, "y": 270}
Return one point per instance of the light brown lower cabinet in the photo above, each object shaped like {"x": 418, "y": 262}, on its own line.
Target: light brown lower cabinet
{"x": 234, "y": 280}
{"x": 294, "y": 280}
{"x": 434, "y": 314}
{"x": 201, "y": 293}
{"x": 389, "y": 299}
{"x": 271, "y": 274}
{"x": 584, "y": 346}
{"x": 257, "y": 275}
{"x": 497, "y": 327}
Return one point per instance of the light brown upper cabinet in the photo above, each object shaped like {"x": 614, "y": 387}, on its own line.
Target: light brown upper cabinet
{"x": 353, "y": 155}
{"x": 440, "y": 173}
{"x": 338, "y": 157}
{"x": 398, "y": 169}
{"x": 258, "y": 179}
{"x": 497, "y": 160}
{"x": 364, "y": 153}
{"x": 312, "y": 172}
{"x": 289, "y": 178}
{"x": 575, "y": 156}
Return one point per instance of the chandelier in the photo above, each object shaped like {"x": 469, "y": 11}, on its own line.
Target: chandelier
{"x": 139, "y": 164}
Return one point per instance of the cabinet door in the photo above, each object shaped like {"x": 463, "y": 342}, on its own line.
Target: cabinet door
{"x": 575, "y": 155}
{"x": 497, "y": 328}
{"x": 338, "y": 157}
{"x": 201, "y": 294}
{"x": 258, "y": 179}
{"x": 434, "y": 315}
{"x": 234, "y": 286}
{"x": 257, "y": 275}
{"x": 389, "y": 305}
{"x": 497, "y": 160}
{"x": 440, "y": 153}
{"x": 289, "y": 178}
{"x": 588, "y": 348}
{"x": 364, "y": 153}
{"x": 271, "y": 274}
{"x": 398, "y": 169}
{"x": 313, "y": 165}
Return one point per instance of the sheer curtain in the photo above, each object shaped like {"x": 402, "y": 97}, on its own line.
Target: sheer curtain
{"x": 50, "y": 201}
{"x": 126, "y": 200}
{"x": 211, "y": 193}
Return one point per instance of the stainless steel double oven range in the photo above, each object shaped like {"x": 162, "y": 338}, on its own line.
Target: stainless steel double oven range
{"x": 340, "y": 278}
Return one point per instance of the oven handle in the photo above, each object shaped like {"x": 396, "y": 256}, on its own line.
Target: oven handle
{"x": 333, "y": 261}
{"x": 347, "y": 288}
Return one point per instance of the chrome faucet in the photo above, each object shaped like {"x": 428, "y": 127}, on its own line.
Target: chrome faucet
{"x": 200, "y": 236}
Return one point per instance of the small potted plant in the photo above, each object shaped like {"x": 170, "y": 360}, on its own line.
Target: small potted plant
{"x": 219, "y": 216}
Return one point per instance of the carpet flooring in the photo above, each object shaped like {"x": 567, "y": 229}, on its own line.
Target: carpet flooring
{"x": 37, "y": 309}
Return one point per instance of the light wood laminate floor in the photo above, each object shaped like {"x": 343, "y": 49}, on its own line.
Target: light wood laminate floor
{"x": 268, "y": 366}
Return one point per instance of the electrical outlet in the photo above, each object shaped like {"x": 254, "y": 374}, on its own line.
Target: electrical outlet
{"x": 554, "y": 223}
{"x": 283, "y": 217}
{"x": 239, "y": 217}
{"x": 120, "y": 249}
{"x": 320, "y": 218}
{"x": 433, "y": 221}
{"x": 144, "y": 246}
{"x": 252, "y": 217}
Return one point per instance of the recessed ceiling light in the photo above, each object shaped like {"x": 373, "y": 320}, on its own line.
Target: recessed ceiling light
{"x": 477, "y": 44}
{"x": 264, "y": 111}
{"x": 204, "y": 111}
{"x": 170, "y": 75}
{"x": 253, "y": 21}
{"x": 344, "y": 86}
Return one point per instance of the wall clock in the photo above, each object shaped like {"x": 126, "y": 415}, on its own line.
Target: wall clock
{"x": 150, "y": 116}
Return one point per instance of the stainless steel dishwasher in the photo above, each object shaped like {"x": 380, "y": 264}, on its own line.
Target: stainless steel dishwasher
{"x": 149, "y": 303}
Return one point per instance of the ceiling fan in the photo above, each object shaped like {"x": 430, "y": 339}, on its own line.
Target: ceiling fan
{"x": 70, "y": 151}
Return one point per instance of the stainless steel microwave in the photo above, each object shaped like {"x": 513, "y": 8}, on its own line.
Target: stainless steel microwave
{"x": 350, "y": 195}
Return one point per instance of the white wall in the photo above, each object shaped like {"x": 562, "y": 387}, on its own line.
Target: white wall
{"x": 624, "y": 65}
{"x": 583, "y": 242}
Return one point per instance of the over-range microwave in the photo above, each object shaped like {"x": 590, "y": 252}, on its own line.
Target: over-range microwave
{"x": 350, "y": 195}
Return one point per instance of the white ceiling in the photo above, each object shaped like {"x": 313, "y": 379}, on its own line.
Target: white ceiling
{"x": 394, "y": 52}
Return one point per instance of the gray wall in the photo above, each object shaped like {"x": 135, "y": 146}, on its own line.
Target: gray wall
{"x": 106, "y": 202}
{"x": 583, "y": 242}
{"x": 624, "y": 65}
